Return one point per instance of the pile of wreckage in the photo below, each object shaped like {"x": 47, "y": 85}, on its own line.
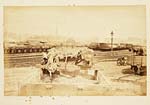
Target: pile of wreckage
{"x": 68, "y": 61}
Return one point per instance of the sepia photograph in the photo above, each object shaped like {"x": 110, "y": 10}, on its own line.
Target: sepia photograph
{"x": 75, "y": 50}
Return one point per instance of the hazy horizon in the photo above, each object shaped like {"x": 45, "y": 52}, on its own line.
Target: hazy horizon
{"x": 82, "y": 23}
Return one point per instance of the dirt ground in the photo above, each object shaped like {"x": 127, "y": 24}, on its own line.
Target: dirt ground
{"x": 25, "y": 81}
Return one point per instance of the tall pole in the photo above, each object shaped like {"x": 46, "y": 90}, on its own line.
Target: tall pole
{"x": 112, "y": 33}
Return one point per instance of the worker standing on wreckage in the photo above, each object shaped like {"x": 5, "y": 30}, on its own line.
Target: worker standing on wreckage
{"x": 50, "y": 63}
{"x": 84, "y": 58}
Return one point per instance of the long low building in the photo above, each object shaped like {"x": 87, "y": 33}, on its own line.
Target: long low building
{"x": 25, "y": 47}
{"x": 107, "y": 46}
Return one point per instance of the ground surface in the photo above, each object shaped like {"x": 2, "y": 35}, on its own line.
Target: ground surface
{"x": 113, "y": 83}
{"x": 22, "y": 78}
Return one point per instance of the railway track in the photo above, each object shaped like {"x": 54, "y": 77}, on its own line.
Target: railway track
{"x": 22, "y": 60}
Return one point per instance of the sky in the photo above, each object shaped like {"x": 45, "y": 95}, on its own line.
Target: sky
{"x": 82, "y": 23}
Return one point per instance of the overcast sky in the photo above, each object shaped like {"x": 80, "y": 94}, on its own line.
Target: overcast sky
{"x": 82, "y": 23}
